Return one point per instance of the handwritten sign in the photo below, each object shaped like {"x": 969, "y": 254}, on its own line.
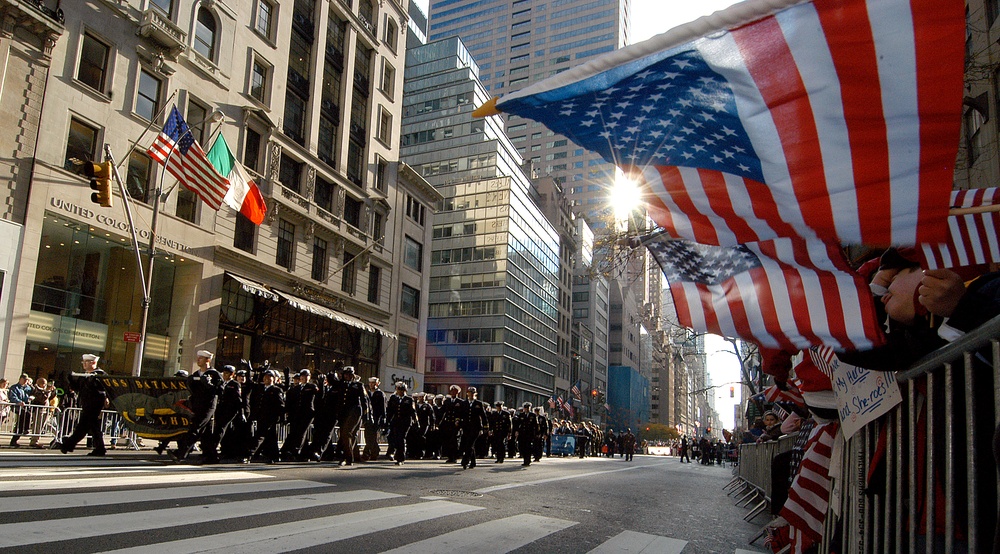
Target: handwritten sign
{"x": 862, "y": 395}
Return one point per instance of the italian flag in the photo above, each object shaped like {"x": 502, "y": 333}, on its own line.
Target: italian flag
{"x": 243, "y": 195}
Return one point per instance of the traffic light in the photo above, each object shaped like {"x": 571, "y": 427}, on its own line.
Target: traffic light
{"x": 732, "y": 392}
{"x": 100, "y": 180}
{"x": 593, "y": 393}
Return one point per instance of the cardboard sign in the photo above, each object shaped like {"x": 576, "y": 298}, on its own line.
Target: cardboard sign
{"x": 863, "y": 395}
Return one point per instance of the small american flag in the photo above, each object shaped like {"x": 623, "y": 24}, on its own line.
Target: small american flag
{"x": 576, "y": 390}
{"x": 973, "y": 239}
{"x": 552, "y": 402}
{"x": 809, "y": 495}
{"x": 187, "y": 161}
{"x": 785, "y": 293}
{"x": 833, "y": 119}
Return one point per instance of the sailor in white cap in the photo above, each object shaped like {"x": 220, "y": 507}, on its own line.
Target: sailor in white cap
{"x": 205, "y": 387}
{"x": 378, "y": 422}
{"x": 93, "y": 398}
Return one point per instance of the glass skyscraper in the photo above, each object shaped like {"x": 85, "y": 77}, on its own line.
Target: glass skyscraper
{"x": 520, "y": 42}
{"x": 493, "y": 297}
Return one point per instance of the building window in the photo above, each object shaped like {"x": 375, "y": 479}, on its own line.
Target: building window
{"x": 319, "y": 259}
{"x": 294, "y": 118}
{"x": 374, "y": 284}
{"x": 204, "y": 34}
{"x": 251, "y": 150}
{"x": 197, "y": 119}
{"x": 246, "y": 232}
{"x": 323, "y": 195}
{"x": 390, "y": 33}
{"x": 165, "y": 6}
{"x": 349, "y": 271}
{"x": 94, "y": 56}
{"x": 355, "y": 161}
{"x": 384, "y": 125}
{"x": 413, "y": 253}
{"x": 380, "y": 168}
{"x": 81, "y": 144}
{"x": 388, "y": 83}
{"x": 406, "y": 355}
{"x": 147, "y": 99}
{"x": 352, "y": 212}
{"x": 265, "y": 17}
{"x": 137, "y": 178}
{"x": 259, "y": 80}
{"x": 409, "y": 302}
{"x": 187, "y": 204}
{"x": 973, "y": 134}
{"x": 414, "y": 210}
{"x": 286, "y": 241}
{"x": 290, "y": 173}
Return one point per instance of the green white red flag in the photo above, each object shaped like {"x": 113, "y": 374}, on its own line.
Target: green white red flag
{"x": 243, "y": 195}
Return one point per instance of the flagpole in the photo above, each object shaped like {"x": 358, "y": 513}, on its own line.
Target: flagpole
{"x": 975, "y": 210}
{"x": 216, "y": 117}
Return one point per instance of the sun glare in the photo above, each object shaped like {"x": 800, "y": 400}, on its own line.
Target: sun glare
{"x": 625, "y": 197}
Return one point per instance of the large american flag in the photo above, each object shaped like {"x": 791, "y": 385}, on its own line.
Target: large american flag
{"x": 830, "y": 119}
{"x": 785, "y": 293}
{"x": 186, "y": 160}
{"x": 973, "y": 238}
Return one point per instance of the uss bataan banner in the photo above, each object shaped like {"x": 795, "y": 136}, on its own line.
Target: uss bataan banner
{"x": 152, "y": 407}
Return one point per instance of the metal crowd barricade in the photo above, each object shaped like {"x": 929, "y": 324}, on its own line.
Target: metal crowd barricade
{"x": 48, "y": 424}
{"x": 752, "y": 476}
{"x": 938, "y": 440}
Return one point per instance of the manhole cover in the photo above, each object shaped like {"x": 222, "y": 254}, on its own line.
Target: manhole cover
{"x": 456, "y": 494}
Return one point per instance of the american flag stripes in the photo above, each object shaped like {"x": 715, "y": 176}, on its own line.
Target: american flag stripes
{"x": 184, "y": 158}
{"x": 830, "y": 119}
{"x": 576, "y": 390}
{"x": 809, "y": 495}
{"x": 786, "y": 294}
{"x": 974, "y": 238}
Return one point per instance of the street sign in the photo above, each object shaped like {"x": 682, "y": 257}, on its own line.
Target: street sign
{"x": 129, "y": 336}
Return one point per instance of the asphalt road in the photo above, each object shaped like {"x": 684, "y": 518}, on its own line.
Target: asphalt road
{"x": 139, "y": 502}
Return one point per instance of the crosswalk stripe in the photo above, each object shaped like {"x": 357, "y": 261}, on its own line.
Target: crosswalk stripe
{"x": 189, "y": 477}
{"x": 20, "y": 534}
{"x": 310, "y": 533}
{"x": 562, "y": 478}
{"x": 20, "y": 472}
{"x": 103, "y": 498}
{"x": 632, "y": 541}
{"x": 502, "y": 535}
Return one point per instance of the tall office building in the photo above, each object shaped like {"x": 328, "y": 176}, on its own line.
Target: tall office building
{"x": 519, "y": 42}
{"x": 311, "y": 94}
{"x": 493, "y": 306}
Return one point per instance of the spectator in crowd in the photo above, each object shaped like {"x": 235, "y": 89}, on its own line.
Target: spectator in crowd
{"x": 4, "y": 401}
{"x": 20, "y": 397}
{"x": 43, "y": 400}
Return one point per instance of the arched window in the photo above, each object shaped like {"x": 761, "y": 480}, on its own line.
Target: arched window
{"x": 204, "y": 34}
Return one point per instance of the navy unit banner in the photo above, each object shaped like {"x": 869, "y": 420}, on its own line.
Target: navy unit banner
{"x": 152, "y": 407}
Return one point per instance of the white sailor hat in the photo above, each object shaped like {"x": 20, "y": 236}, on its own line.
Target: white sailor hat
{"x": 90, "y": 357}
{"x": 205, "y": 354}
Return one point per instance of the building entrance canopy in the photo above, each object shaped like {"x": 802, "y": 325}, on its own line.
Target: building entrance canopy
{"x": 261, "y": 290}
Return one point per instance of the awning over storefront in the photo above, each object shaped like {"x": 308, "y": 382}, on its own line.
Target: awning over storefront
{"x": 254, "y": 287}
{"x": 341, "y": 317}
